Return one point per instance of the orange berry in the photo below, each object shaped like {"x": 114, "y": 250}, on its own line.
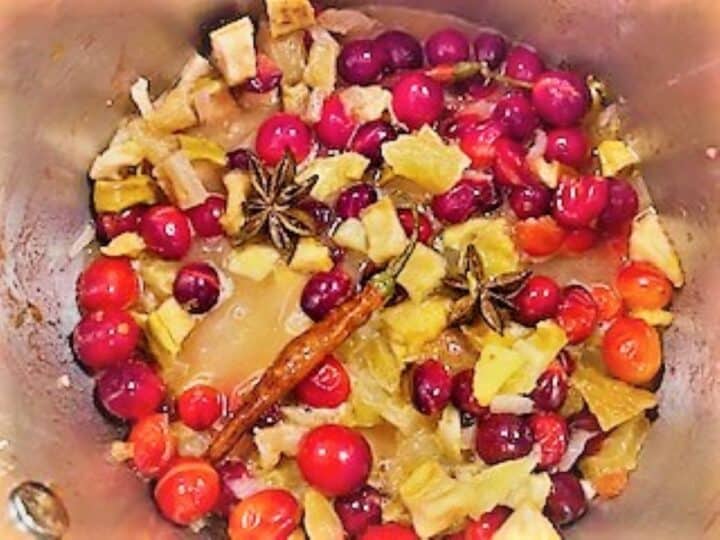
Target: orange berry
{"x": 187, "y": 491}
{"x": 632, "y": 351}
{"x": 643, "y": 286}
{"x": 608, "y": 301}
{"x": 611, "y": 484}
{"x": 153, "y": 445}
{"x": 539, "y": 237}
{"x": 271, "y": 514}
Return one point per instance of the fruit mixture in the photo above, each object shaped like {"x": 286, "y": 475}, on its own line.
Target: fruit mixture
{"x": 355, "y": 284}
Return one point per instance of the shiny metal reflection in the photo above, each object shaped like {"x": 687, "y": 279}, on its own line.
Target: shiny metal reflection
{"x": 39, "y": 510}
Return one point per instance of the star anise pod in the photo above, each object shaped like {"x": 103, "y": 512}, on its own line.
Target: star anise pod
{"x": 483, "y": 297}
{"x": 271, "y": 208}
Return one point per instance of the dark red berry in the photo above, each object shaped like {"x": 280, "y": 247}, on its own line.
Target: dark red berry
{"x": 327, "y": 386}
{"x": 468, "y": 197}
{"x": 510, "y": 164}
{"x": 501, "y": 437}
{"x": 537, "y": 300}
{"x": 370, "y": 137}
{"x": 359, "y": 510}
{"x": 463, "y": 397}
{"x": 425, "y": 228}
{"x": 268, "y": 76}
{"x": 109, "y": 225}
{"x": 622, "y": 206}
{"x": 197, "y": 287}
{"x": 403, "y": 49}
{"x": 323, "y": 292}
{"x": 282, "y": 133}
{"x": 130, "y": 390}
{"x": 530, "y": 201}
{"x": 236, "y": 483}
{"x": 205, "y": 217}
{"x": 431, "y": 387}
{"x": 239, "y": 159}
{"x": 518, "y": 116}
{"x": 523, "y": 64}
{"x": 321, "y": 213}
{"x": 490, "y": 48}
{"x": 487, "y": 525}
{"x": 363, "y": 62}
{"x": 447, "y": 46}
{"x": 271, "y": 417}
{"x": 166, "y": 231}
{"x": 477, "y": 139}
{"x": 354, "y": 200}
{"x": 566, "y": 502}
{"x": 551, "y": 433}
{"x": 551, "y": 389}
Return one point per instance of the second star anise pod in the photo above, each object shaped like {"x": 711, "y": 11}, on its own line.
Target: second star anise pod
{"x": 271, "y": 207}
{"x": 483, "y": 297}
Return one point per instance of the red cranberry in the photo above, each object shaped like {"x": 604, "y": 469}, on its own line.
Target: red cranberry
{"x": 566, "y": 502}
{"x": 577, "y": 313}
{"x": 579, "y": 201}
{"x": 323, "y": 292}
{"x": 417, "y": 100}
{"x": 551, "y": 433}
{"x": 530, "y": 201}
{"x": 431, "y": 387}
{"x": 268, "y": 76}
{"x": 107, "y": 283}
{"x": 354, "y": 200}
{"x": 447, "y": 46}
{"x": 622, "y": 205}
{"x": 200, "y": 406}
{"x": 234, "y": 478}
{"x": 359, "y": 510}
{"x": 580, "y": 240}
{"x": 561, "y": 98}
{"x": 370, "y": 137}
{"x": 569, "y": 146}
{"x": 501, "y": 437}
{"x": 488, "y": 524}
{"x": 523, "y": 64}
{"x": 109, "y": 225}
{"x": 336, "y": 126}
{"x": 490, "y": 48}
{"x": 104, "y": 338}
{"x": 239, "y": 159}
{"x": 166, "y": 231}
{"x": 334, "y": 459}
{"x": 463, "y": 397}
{"x": 403, "y": 49}
{"x": 327, "y": 386}
{"x": 455, "y": 126}
{"x": 363, "y": 62}
{"x": 280, "y": 133}
{"x": 205, "y": 217}
{"x": 518, "y": 116}
{"x": 537, "y": 300}
{"x": 466, "y": 198}
{"x": 407, "y": 220}
{"x": 566, "y": 362}
{"x": 389, "y": 531}
{"x": 551, "y": 389}
{"x": 510, "y": 166}
{"x": 477, "y": 141}
{"x": 321, "y": 214}
{"x": 587, "y": 421}
{"x": 130, "y": 390}
{"x": 197, "y": 287}
{"x": 476, "y": 88}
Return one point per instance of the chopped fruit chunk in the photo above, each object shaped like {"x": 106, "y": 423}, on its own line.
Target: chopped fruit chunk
{"x": 334, "y": 174}
{"x": 491, "y": 237}
{"x": 199, "y": 148}
{"x": 237, "y": 184}
{"x": 526, "y": 522}
{"x": 367, "y": 103}
{"x": 117, "y": 195}
{"x": 649, "y": 243}
{"x": 287, "y": 16}
{"x": 129, "y": 244}
{"x": 233, "y": 48}
{"x": 413, "y": 324}
{"x": 653, "y": 317}
{"x": 255, "y": 261}
{"x": 615, "y": 156}
{"x": 423, "y": 272}
{"x": 351, "y": 235}
{"x": 496, "y": 365}
{"x": 431, "y": 387}
{"x": 320, "y": 519}
{"x": 271, "y": 514}
{"x": 153, "y": 445}
{"x": 385, "y": 234}
{"x": 321, "y": 70}
{"x": 114, "y": 159}
{"x": 310, "y": 256}
{"x": 632, "y": 351}
{"x": 168, "y": 326}
{"x": 642, "y": 286}
{"x": 539, "y": 237}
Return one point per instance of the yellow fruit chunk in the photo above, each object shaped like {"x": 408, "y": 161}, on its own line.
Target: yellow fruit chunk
{"x": 613, "y": 402}
{"x": 449, "y": 434}
{"x": 321, "y": 70}
{"x": 527, "y": 522}
{"x": 495, "y": 484}
{"x": 156, "y": 145}
{"x": 385, "y": 234}
{"x": 288, "y": 52}
{"x": 200, "y": 148}
{"x": 382, "y": 363}
{"x": 321, "y": 522}
{"x": 295, "y": 98}
{"x": 533, "y": 492}
{"x": 233, "y": 49}
{"x": 334, "y": 173}
{"x": 615, "y": 156}
{"x": 654, "y": 317}
{"x": 181, "y": 182}
{"x": 311, "y": 256}
{"x": 415, "y": 323}
{"x": 127, "y": 244}
{"x": 351, "y": 235}
{"x": 425, "y": 159}
{"x": 286, "y": 16}
{"x": 547, "y": 171}
{"x": 168, "y": 326}
{"x": 492, "y": 239}
{"x": 158, "y": 276}
{"x": 173, "y": 111}
{"x": 366, "y": 103}
{"x": 423, "y": 272}
{"x": 117, "y": 195}
{"x": 650, "y": 243}
{"x": 117, "y": 157}
{"x": 574, "y": 403}
{"x": 255, "y": 261}
{"x": 282, "y": 439}
{"x": 237, "y": 184}
{"x": 496, "y": 365}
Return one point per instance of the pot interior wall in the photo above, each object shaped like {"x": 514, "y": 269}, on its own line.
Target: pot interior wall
{"x": 66, "y": 69}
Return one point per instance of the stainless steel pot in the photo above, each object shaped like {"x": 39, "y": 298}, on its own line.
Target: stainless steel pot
{"x": 66, "y": 66}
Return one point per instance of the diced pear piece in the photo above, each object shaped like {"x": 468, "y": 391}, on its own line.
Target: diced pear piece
{"x": 233, "y": 48}
{"x": 334, "y": 173}
{"x": 615, "y": 156}
{"x": 351, "y": 235}
{"x": 366, "y": 103}
{"x": 173, "y": 111}
{"x": 495, "y": 484}
{"x": 140, "y": 94}
{"x": 117, "y": 195}
{"x": 278, "y": 440}
{"x": 255, "y": 262}
{"x": 416, "y": 323}
{"x": 650, "y": 243}
{"x": 423, "y": 272}
{"x": 127, "y": 244}
{"x": 156, "y": 145}
{"x": 496, "y": 365}
{"x": 547, "y": 171}
{"x": 110, "y": 163}
{"x": 492, "y": 239}
{"x": 168, "y": 326}
{"x": 347, "y": 21}
{"x": 200, "y": 148}
{"x": 533, "y": 492}
{"x": 654, "y": 317}
{"x": 321, "y": 522}
{"x": 382, "y": 363}
{"x": 527, "y": 522}
{"x": 321, "y": 70}
{"x": 449, "y": 434}
{"x": 426, "y": 159}
{"x": 311, "y": 256}
{"x": 295, "y": 98}
{"x": 184, "y": 186}
{"x": 237, "y": 183}
{"x": 385, "y": 234}
{"x": 287, "y": 16}
{"x": 158, "y": 276}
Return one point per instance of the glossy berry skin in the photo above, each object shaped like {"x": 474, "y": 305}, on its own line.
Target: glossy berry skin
{"x": 272, "y": 514}
{"x": 425, "y": 228}
{"x": 608, "y": 301}
{"x": 622, "y": 206}
{"x": 239, "y": 159}
{"x": 166, "y": 231}
{"x": 153, "y": 445}
{"x": 570, "y": 146}
{"x": 417, "y": 100}
{"x": 234, "y": 476}
{"x": 523, "y": 64}
{"x": 268, "y": 76}
{"x": 107, "y": 283}
{"x": 200, "y": 406}
{"x": 389, "y": 531}
{"x": 579, "y": 202}
{"x": 323, "y": 292}
{"x": 321, "y": 214}
{"x": 370, "y": 137}
{"x": 501, "y": 437}
{"x": 403, "y": 49}
{"x": 466, "y": 198}
{"x": 281, "y": 133}
{"x": 487, "y": 525}
{"x": 359, "y": 510}
{"x": 490, "y": 48}
{"x": 642, "y": 286}
{"x": 197, "y": 287}
{"x": 550, "y": 431}
{"x": 539, "y": 237}
{"x": 205, "y": 217}
{"x": 130, "y": 390}
{"x": 462, "y": 394}
{"x": 187, "y": 491}
{"x": 354, "y": 200}
{"x": 104, "y": 338}
{"x": 477, "y": 140}
{"x": 518, "y": 116}
{"x": 561, "y": 98}
{"x": 586, "y": 421}
{"x": 362, "y": 62}
{"x": 447, "y": 46}
{"x": 577, "y": 313}
{"x": 109, "y": 225}
{"x": 530, "y": 201}
{"x": 632, "y": 351}
{"x": 510, "y": 165}
{"x": 537, "y": 300}
{"x": 334, "y": 459}
{"x": 336, "y": 126}
{"x": 579, "y": 241}
{"x": 551, "y": 389}
{"x": 431, "y": 387}
{"x": 566, "y": 502}
{"x": 327, "y": 386}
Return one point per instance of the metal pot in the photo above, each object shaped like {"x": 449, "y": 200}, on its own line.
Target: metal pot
{"x": 66, "y": 68}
